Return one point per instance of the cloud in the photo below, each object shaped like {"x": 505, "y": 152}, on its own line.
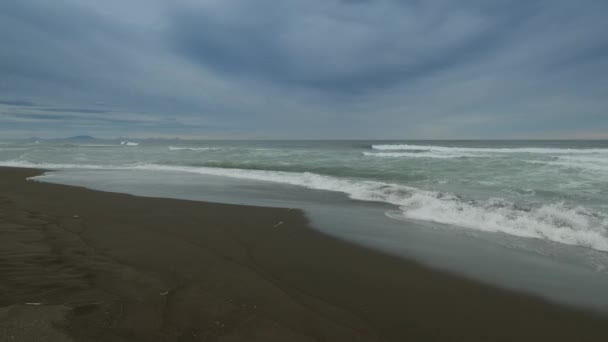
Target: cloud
{"x": 334, "y": 46}
{"x": 305, "y": 69}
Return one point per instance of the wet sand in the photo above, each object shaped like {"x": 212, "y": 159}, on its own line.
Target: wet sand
{"x": 83, "y": 265}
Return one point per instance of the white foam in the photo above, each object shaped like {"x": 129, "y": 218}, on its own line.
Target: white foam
{"x": 541, "y": 150}
{"x": 556, "y": 222}
{"x": 431, "y": 155}
{"x": 129, "y": 143}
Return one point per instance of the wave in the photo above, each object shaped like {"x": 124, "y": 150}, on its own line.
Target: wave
{"x": 173, "y": 148}
{"x": 14, "y": 148}
{"x": 555, "y": 222}
{"x": 586, "y": 159}
{"x": 577, "y": 226}
{"x": 597, "y": 165}
{"x": 100, "y": 145}
{"x": 129, "y": 143}
{"x": 54, "y": 166}
{"x": 445, "y": 149}
{"x": 419, "y": 155}
{"x": 573, "y": 165}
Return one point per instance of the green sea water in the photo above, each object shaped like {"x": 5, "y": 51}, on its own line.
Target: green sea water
{"x": 551, "y": 190}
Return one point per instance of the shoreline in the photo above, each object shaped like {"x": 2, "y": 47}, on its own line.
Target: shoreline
{"x": 109, "y": 266}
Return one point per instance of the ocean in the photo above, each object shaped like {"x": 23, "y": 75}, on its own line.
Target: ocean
{"x": 529, "y": 215}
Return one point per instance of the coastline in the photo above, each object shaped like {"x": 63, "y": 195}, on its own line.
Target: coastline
{"x": 108, "y": 266}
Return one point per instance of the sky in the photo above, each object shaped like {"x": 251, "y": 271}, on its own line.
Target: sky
{"x": 304, "y": 69}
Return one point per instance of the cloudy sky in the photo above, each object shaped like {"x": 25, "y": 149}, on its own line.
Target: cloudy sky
{"x": 304, "y": 68}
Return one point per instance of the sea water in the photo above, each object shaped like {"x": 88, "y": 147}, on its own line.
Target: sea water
{"x": 530, "y": 215}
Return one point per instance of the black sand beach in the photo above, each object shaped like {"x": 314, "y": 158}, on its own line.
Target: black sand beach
{"x": 83, "y": 265}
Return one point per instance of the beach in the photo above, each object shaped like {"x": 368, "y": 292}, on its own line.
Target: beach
{"x": 84, "y": 265}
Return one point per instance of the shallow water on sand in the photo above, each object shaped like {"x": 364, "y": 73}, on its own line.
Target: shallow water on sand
{"x": 559, "y": 272}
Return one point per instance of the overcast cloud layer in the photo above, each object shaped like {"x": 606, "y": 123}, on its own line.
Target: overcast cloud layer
{"x": 304, "y": 69}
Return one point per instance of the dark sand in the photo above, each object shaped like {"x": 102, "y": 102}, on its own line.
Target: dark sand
{"x": 114, "y": 267}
